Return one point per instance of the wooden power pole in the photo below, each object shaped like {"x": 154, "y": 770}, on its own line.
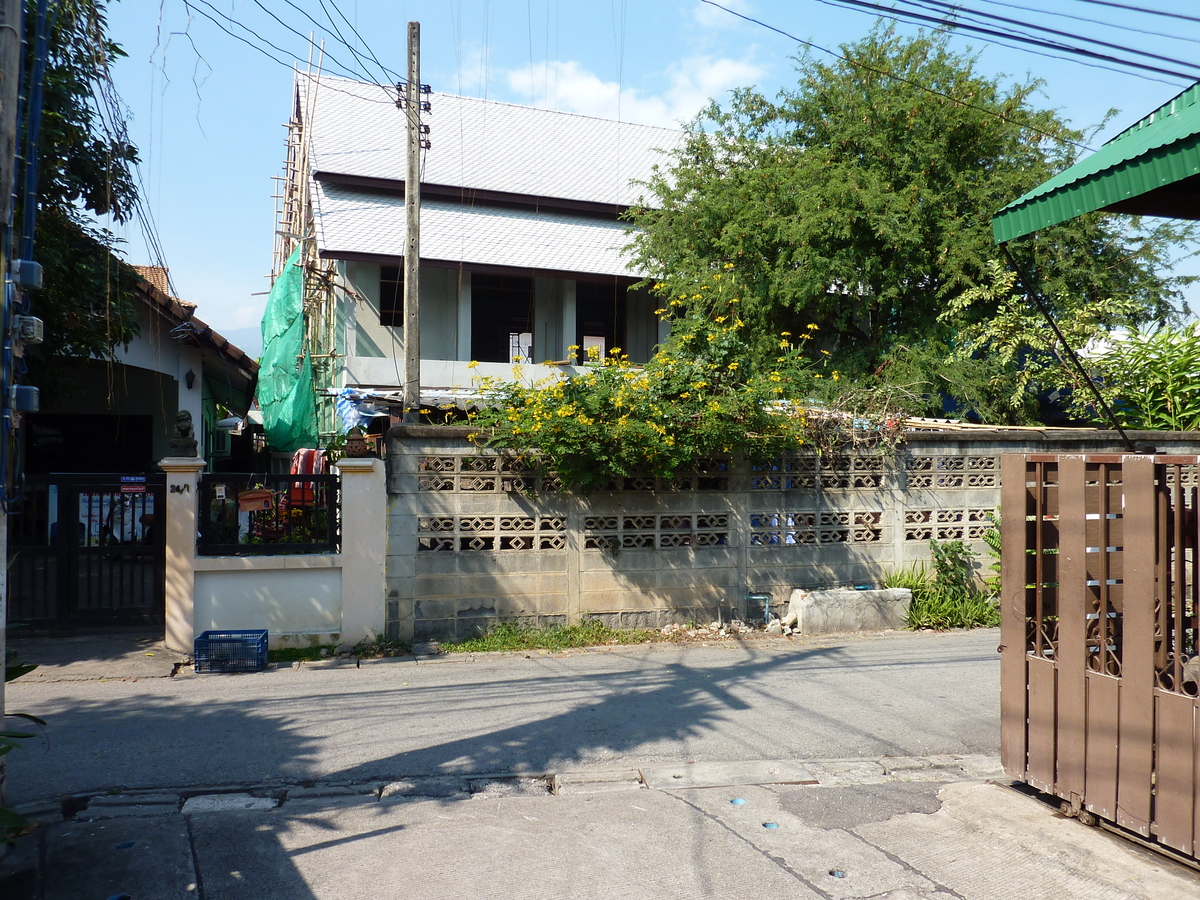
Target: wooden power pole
{"x": 412, "y": 232}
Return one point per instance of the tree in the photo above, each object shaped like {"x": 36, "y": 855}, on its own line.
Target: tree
{"x": 86, "y": 169}
{"x": 862, "y": 201}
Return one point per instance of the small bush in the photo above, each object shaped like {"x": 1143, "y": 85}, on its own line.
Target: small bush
{"x": 946, "y": 596}
{"x": 512, "y": 636}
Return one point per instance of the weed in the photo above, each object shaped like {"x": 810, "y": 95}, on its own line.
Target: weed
{"x": 512, "y": 636}
{"x": 300, "y": 654}
{"x": 946, "y": 596}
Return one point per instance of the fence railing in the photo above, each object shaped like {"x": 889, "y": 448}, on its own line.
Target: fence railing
{"x": 265, "y": 515}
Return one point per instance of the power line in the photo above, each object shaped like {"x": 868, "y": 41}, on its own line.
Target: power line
{"x": 393, "y": 75}
{"x": 357, "y": 74}
{"x": 1121, "y": 27}
{"x": 1141, "y": 9}
{"x": 886, "y": 74}
{"x": 892, "y": 13}
{"x": 188, "y": 4}
{"x": 991, "y": 17}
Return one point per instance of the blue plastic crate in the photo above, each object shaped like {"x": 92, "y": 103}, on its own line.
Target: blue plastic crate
{"x": 231, "y": 651}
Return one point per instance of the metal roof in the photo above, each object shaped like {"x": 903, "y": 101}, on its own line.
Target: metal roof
{"x": 1151, "y": 168}
{"x": 356, "y": 130}
{"x": 353, "y": 223}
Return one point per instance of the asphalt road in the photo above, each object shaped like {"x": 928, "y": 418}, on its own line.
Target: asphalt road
{"x": 880, "y": 695}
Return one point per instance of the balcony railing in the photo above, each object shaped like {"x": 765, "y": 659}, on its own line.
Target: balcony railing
{"x": 267, "y": 515}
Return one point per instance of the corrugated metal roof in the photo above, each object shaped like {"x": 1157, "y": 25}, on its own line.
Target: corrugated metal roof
{"x": 1161, "y": 149}
{"x": 350, "y": 221}
{"x": 484, "y": 145}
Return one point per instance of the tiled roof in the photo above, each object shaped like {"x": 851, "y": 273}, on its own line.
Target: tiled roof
{"x": 351, "y": 221}
{"x": 484, "y": 145}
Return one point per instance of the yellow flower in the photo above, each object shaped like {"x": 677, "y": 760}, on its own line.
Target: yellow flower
{"x": 783, "y": 345}
{"x": 728, "y": 265}
{"x": 774, "y": 376}
{"x": 472, "y": 364}
{"x": 714, "y": 406}
{"x": 812, "y": 327}
{"x": 732, "y": 366}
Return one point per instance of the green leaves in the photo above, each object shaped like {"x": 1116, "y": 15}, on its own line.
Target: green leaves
{"x": 702, "y": 396}
{"x": 86, "y": 167}
{"x": 863, "y": 204}
{"x": 1153, "y": 378}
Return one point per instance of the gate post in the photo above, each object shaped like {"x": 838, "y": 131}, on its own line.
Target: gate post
{"x": 364, "y": 548}
{"x": 183, "y": 479}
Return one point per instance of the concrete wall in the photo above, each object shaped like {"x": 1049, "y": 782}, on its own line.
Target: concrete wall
{"x": 468, "y": 547}
{"x": 297, "y": 599}
{"x": 300, "y": 599}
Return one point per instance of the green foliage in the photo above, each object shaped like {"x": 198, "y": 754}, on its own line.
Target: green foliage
{"x": 994, "y": 581}
{"x": 301, "y": 654}
{"x": 1017, "y": 354}
{"x": 86, "y": 168}
{"x": 1152, "y": 378}
{"x": 511, "y": 636}
{"x": 862, "y": 203}
{"x": 703, "y": 396}
{"x": 946, "y": 594}
{"x": 700, "y": 397}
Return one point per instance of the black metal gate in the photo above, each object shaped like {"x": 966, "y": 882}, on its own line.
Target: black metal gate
{"x": 88, "y": 552}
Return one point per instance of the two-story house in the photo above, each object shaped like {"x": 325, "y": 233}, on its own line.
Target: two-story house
{"x": 521, "y": 237}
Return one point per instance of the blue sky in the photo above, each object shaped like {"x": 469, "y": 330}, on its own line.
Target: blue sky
{"x": 207, "y": 111}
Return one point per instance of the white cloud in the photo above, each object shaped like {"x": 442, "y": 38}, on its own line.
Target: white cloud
{"x": 691, "y": 83}
{"x": 708, "y": 16}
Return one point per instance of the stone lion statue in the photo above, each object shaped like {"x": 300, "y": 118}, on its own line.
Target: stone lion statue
{"x": 183, "y": 441}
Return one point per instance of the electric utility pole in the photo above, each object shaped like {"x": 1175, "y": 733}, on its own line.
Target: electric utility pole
{"x": 412, "y": 102}
{"x": 10, "y": 76}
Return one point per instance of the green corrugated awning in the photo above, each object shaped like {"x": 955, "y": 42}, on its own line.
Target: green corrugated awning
{"x": 1151, "y": 169}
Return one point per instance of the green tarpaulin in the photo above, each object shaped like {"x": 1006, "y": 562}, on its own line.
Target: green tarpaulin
{"x": 285, "y": 393}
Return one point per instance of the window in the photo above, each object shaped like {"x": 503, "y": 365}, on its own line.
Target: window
{"x": 501, "y": 318}
{"x": 598, "y": 317}
{"x": 391, "y": 296}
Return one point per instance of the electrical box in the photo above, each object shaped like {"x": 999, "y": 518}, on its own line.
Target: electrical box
{"x": 27, "y": 275}
{"x": 26, "y": 398}
{"x": 28, "y": 329}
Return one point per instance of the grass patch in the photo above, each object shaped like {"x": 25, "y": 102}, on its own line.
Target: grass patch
{"x": 300, "y": 654}
{"x": 512, "y": 636}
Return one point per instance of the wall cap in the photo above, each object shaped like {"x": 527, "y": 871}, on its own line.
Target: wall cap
{"x": 182, "y": 464}
{"x": 356, "y": 465}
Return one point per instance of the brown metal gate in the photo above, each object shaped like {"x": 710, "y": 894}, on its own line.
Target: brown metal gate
{"x": 1099, "y": 637}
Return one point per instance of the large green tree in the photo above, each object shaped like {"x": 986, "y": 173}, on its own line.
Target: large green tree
{"x": 85, "y": 170}
{"x": 861, "y": 200}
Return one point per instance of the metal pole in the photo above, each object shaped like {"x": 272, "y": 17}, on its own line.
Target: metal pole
{"x": 412, "y": 233}
{"x": 10, "y": 73}
{"x": 1041, "y": 305}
